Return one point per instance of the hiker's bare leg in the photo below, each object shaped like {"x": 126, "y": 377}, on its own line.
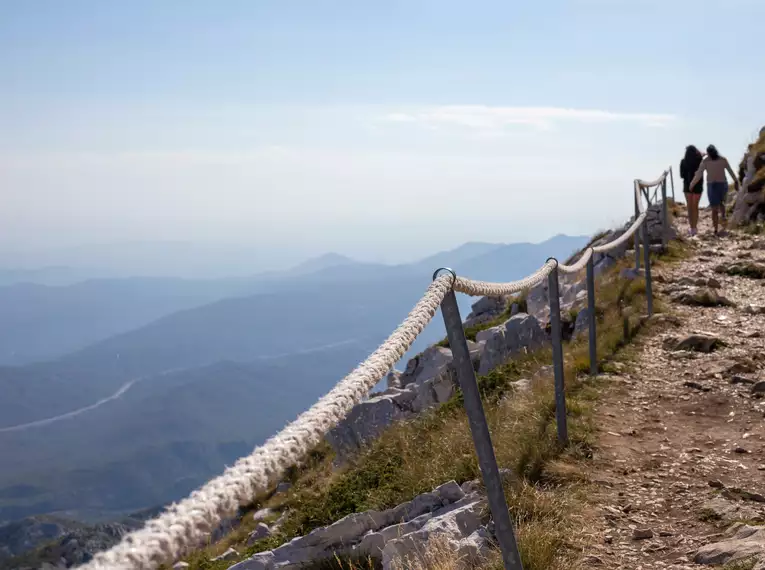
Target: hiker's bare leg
{"x": 689, "y": 207}
{"x": 696, "y": 198}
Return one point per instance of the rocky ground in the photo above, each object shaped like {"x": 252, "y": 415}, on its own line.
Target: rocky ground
{"x": 681, "y": 452}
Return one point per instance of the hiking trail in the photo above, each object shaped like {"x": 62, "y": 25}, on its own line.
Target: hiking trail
{"x": 680, "y": 451}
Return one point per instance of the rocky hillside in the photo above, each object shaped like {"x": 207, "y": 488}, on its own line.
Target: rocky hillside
{"x": 749, "y": 204}
{"x": 66, "y": 542}
{"x": 401, "y": 468}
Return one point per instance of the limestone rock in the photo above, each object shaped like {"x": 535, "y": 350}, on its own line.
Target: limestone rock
{"x": 230, "y": 554}
{"x": 262, "y": 514}
{"x": 700, "y": 297}
{"x": 754, "y": 310}
{"x": 393, "y": 379}
{"x": 261, "y": 531}
{"x": 742, "y": 542}
{"x": 699, "y": 342}
{"x": 486, "y": 309}
{"x": 727, "y": 511}
{"x": 428, "y": 364}
{"x": 698, "y": 281}
{"x": 521, "y": 332}
{"x": 180, "y": 565}
{"x": 367, "y": 420}
{"x": 446, "y": 509}
{"x": 429, "y": 380}
{"x": 642, "y": 533}
{"x": 454, "y": 524}
{"x": 750, "y": 269}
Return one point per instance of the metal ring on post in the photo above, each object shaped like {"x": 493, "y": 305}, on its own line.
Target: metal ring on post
{"x": 450, "y": 270}
{"x": 549, "y": 259}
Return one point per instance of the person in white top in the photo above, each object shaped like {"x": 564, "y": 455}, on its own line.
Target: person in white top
{"x": 715, "y": 166}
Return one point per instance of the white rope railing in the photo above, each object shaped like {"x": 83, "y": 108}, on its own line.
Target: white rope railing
{"x": 656, "y": 182}
{"x": 185, "y": 525}
{"x": 610, "y": 246}
{"x": 487, "y": 289}
{"x": 579, "y": 265}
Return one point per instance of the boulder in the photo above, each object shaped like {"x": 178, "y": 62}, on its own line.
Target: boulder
{"x": 700, "y": 297}
{"x": 742, "y": 542}
{"x": 367, "y": 420}
{"x": 698, "y": 281}
{"x": 260, "y": 532}
{"x": 519, "y": 333}
{"x": 750, "y": 269}
{"x": 230, "y": 554}
{"x": 486, "y": 309}
{"x": 428, "y": 364}
{"x": 698, "y": 342}
{"x": 729, "y": 511}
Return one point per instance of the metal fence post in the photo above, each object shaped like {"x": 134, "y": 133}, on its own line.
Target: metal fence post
{"x": 672, "y": 182}
{"x": 591, "y": 309}
{"x": 480, "y": 430}
{"x": 664, "y": 215}
{"x": 557, "y": 351}
{"x": 647, "y": 256}
{"x": 637, "y": 238}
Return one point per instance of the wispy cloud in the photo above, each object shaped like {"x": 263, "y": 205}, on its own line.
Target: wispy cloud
{"x": 488, "y": 118}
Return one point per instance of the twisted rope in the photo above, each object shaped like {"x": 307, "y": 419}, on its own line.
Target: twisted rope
{"x": 606, "y": 247}
{"x": 579, "y": 265}
{"x": 184, "y": 525}
{"x": 488, "y": 289}
{"x": 656, "y": 182}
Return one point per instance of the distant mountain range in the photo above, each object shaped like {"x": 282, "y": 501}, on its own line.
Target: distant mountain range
{"x": 171, "y": 379}
{"x": 43, "y": 322}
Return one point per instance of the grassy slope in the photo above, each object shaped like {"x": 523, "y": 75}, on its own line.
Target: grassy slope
{"x": 413, "y": 457}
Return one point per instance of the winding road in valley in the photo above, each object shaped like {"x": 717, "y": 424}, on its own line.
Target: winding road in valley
{"x": 125, "y": 387}
{"x": 68, "y": 415}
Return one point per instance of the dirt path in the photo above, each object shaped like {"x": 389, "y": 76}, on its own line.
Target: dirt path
{"x": 682, "y": 433}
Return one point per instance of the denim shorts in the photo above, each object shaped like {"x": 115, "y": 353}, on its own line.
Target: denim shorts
{"x": 716, "y": 192}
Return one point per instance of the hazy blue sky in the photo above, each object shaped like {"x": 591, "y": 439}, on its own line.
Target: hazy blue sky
{"x": 382, "y": 130}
